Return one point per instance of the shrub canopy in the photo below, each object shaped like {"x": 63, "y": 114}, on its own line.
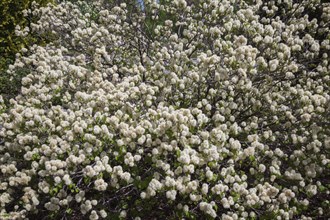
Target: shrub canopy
{"x": 11, "y": 20}
{"x": 185, "y": 109}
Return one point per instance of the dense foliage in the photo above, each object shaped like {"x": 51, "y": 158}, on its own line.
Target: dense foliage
{"x": 185, "y": 109}
{"x": 11, "y": 19}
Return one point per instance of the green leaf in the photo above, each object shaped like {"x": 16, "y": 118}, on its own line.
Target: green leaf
{"x": 69, "y": 211}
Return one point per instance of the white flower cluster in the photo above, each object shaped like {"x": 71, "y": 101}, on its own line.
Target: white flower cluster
{"x": 220, "y": 111}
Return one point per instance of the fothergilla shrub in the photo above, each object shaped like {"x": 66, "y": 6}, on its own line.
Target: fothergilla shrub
{"x": 13, "y": 20}
{"x": 174, "y": 110}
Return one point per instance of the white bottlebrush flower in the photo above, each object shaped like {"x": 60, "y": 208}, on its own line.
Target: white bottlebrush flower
{"x": 273, "y": 64}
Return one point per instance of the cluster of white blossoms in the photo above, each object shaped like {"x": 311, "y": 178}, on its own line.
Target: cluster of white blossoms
{"x": 179, "y": 110}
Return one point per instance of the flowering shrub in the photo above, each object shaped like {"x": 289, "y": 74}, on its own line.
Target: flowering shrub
{"x": 11, "y": 18}
{"x": 220, "y": 111}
